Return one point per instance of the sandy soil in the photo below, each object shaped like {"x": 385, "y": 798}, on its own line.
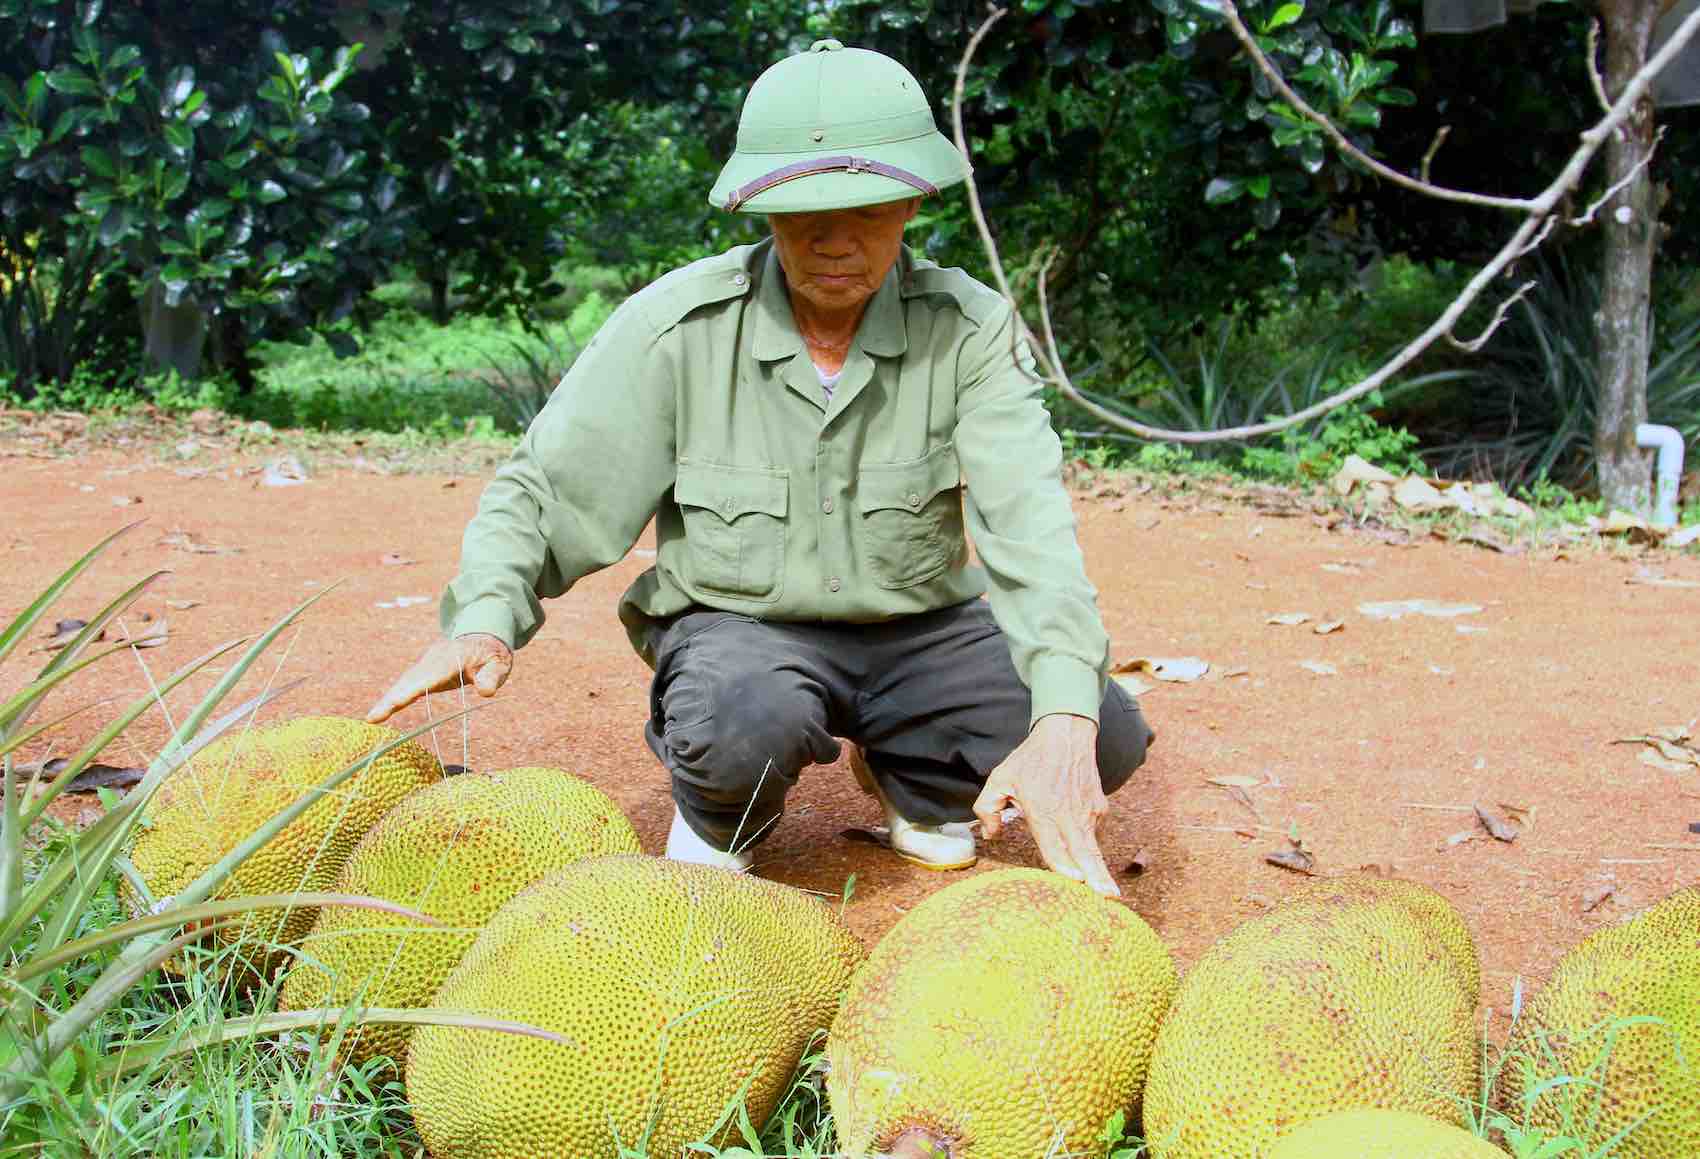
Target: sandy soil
{"x": 1516, "y": 706}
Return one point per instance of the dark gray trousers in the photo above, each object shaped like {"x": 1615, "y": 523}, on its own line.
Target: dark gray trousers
{"x": 739, "y": 707}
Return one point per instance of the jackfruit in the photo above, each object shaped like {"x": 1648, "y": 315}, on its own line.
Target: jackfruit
{"x": 206, "y": 807}
{"x": 1438, "y": 917}
{"x": 1339, "y": 997}
{"x": 455, "y": 850}
{"x": 1009, "y": 1014}
{"x": 1378, "y": 1133}
{"x": 1620, "y": 1017}
{"x": 677, "y": 987}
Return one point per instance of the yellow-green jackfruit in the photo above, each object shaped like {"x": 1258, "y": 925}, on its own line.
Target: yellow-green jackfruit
{"x": 1339, "y": 998}
{"x": 455, "y": 850}
{"x": 1620, "y": 1018}
{"x": 677, "y": 988}
{"x": 246, "y": 777}
{"x": 1382, "y": 1134}
{"x": 1009, "y": 1014}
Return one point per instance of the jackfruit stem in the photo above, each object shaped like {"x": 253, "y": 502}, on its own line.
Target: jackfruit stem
{"x": 918, "y": 1144}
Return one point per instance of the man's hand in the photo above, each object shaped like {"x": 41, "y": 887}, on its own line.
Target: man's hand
{"x": 478, "y": 659}
{"x": 1052, "y": 777}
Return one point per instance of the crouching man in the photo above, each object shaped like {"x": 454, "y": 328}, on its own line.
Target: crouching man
{"x": 819, "y": 424}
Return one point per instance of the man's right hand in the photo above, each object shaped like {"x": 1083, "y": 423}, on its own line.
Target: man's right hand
{"x": 478, "y": 659}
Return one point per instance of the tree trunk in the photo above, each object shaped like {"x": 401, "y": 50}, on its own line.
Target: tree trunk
{"x": 233, "y": 353}
{"x": 439, "y": 280}
{"x": 1630, "y": 222}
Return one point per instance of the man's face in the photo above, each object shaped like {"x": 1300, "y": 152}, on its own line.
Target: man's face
{"x": 837, "y": 259}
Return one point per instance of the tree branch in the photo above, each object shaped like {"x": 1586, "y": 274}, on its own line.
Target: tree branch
{"x": 1533, "y": 229}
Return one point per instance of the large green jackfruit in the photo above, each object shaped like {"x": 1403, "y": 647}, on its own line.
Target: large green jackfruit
{"x": 1341, "y": 996}
{"x": 678, "y": 989}
{"x": 246, "y": 777}
{"x": 1611, "y": 1043}
{"x": 455, "y": 850}
{"x": 1382, "y": 1134}
{"x": 1009, "y": 1014}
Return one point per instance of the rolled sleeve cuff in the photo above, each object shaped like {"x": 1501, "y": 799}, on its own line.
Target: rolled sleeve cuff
{"x": 489, "y": 615}
{"x": 1065, "y": 684}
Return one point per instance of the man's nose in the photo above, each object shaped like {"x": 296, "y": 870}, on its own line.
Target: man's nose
{"x": 834, "y": 239}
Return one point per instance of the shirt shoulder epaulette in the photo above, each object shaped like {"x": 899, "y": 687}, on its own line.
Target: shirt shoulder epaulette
{"x": 978, "y": 302}
{"x": 668, "y": 300}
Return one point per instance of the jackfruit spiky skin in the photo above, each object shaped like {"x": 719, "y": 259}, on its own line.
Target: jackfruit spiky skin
{"x": 675, "y": 985}
{"x": 1578, "y": 1025}
{"x": 455, "y": 850}
{"x": 246, "y": 777}
{"x": 1009, "y": 1014}
{"x": 1378, "y": 1133}
{"x": 1437, "y": 915}
{"x": 1339, "y": 998}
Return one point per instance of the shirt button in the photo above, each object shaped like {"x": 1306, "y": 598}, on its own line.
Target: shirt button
{"x": 914, "y": 499}
{"x": 740, "y": 279}
{"x": 826, "y": 506}
{"x": 833, "y": 585}
{"x": 726, "y": 506}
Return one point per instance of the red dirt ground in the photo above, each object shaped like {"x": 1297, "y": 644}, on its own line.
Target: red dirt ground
{"x": 1377, "y": 765}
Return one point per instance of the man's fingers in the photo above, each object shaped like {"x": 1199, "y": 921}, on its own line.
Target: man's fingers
{"x": 1083, "y": 846}
{"x": 988, "y": 807}
{"x": 1053, "y": 848}
{"x": 490, "y": 675}
{"x": 392, "y": 702}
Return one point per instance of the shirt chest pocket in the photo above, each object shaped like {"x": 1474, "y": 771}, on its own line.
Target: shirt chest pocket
{"x": 911, "y": 517}
{"x": 734, "y": 528}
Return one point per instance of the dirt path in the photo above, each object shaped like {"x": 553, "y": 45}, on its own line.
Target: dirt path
{"x": 1377, "y": 765}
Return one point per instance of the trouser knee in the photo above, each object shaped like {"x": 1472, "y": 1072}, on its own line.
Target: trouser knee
{"x": 1124, "y": 738}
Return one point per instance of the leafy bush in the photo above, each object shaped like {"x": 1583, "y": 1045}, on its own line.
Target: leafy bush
{"x": 1307, "y": 454}
{"x": 1531, "y": 415}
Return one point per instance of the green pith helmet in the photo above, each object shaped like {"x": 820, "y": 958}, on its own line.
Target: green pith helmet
{"x": 835, "y": 128}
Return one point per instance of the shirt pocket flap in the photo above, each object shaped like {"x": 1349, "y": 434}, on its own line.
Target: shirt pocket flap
{"x": 910, "y": 485}
{"x": 731, "y": 491}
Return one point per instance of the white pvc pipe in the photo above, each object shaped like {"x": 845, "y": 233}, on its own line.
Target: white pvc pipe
{"x": 1667, "y": 470}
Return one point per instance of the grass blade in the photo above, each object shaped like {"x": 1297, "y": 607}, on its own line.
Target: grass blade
{"x": 20, "y": 627}
{"x": 198, "y": 915}
{"x": 139, "y": 1057}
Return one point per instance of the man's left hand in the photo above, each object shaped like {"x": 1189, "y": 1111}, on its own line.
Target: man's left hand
{"x": 1052, "y": 777}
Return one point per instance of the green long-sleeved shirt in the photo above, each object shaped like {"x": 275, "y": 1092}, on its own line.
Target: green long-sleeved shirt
{"x": 696, "y": 404}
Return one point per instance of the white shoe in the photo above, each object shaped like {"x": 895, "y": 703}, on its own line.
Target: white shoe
{"x": 683, "y": 844}
{"x": 942, "y": 847}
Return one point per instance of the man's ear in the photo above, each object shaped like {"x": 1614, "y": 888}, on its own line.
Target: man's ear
{"x": 914, "y": 208}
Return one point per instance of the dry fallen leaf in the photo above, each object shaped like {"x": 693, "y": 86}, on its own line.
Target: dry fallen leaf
{"x": 1663, "y": 763}
{"x": 1356, "y": 470}
{"x": 1177, "y": 669}
{"x": 182, "y": 605}
{"x": 1237, "y": 670}
{"x": 1133, "y": 685}
{"x": 1235, "y": 781}
{"x": 1294, "y": 857}
{"x": 404, "y": 602}
{"x": 1496, "y": 824}
{"x": 1684, "y": 537}
{"x": 1656, "y": 579}
{"x": 1397, "y": 609}
{"x": 1328, "y": 627}
{"x": 1320, "y": 667}
{"x": 152, "y": 634}
{"x": 1597, "y": 893}
{"x": 63, "y": 633}
{"x": 1289, "y": 619}
{"x": 126, "y": 500}
{"x": 395, "y": 559}
{"x": 284, "y": 472}
{"x": 1343, "y": 568}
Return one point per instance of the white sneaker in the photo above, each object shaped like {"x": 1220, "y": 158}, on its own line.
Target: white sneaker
{"x": 683, "y": 844}
{"x": 941, "y": 847}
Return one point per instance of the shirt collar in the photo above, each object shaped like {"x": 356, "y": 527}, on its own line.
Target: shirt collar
{"x": 882, "y": 331}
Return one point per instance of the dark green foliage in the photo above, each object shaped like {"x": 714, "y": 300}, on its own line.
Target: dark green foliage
{"x": 1530, "y": 413}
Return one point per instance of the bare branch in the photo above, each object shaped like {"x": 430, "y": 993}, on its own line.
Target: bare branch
{"x": 1546, "y": 228}
{"x": 1267, "y": 67}
{"x": 1594, "y": 77}
{"x": 1622, "y": 183}
{"x": 1440, "y": 136}
{"x": 1480, "y": 340}
{"x": 1537, "y": 223}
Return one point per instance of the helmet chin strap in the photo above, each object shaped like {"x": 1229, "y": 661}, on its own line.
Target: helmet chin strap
{"x": 843, "y": 163}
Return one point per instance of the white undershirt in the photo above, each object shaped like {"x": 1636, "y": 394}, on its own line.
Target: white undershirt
{"x": 828, "y": 381}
